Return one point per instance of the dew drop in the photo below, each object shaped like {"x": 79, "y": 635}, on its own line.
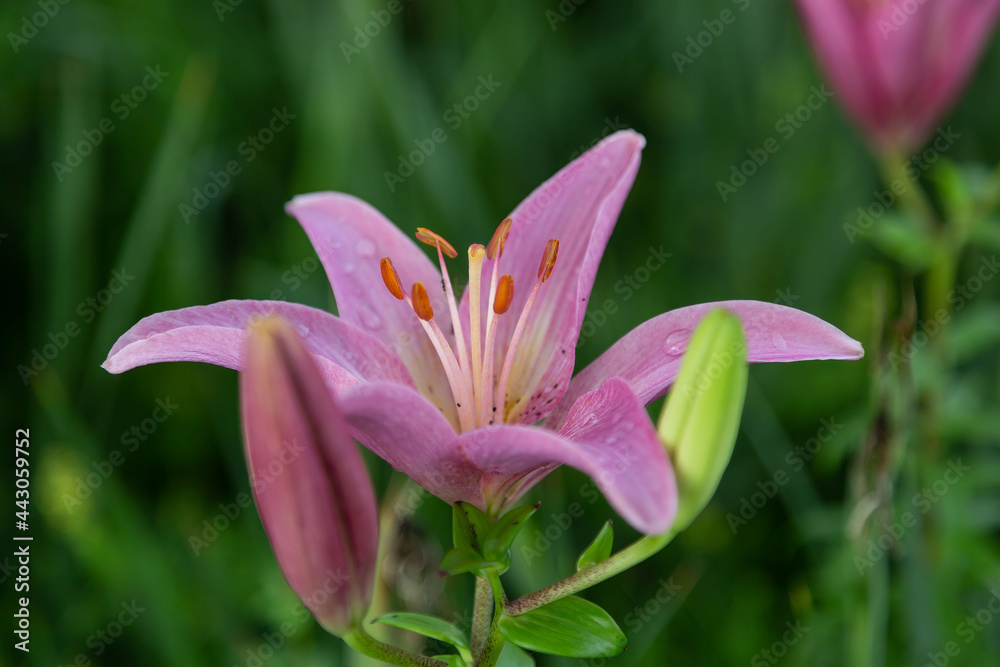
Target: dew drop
{"x": 371, "y": 320}
{"x": 779, "y": 341}
{"x": 676, "y": 342}
{"x": 364, "y": 248}
{"x": 591, "y": 419}
{"x": 347, "y": 267}
{"x": 303, "y": 330}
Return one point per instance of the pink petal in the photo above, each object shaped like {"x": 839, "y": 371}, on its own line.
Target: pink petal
{"x": 402, "y": 427}
{"x": 312, "y": 490}
{"x": 649, "y": 356}
{"x": 607, "y": 435}
{"x": 214, "y": 334}
{"x": 578, "y": 206}
{"x": 350, "y": 237}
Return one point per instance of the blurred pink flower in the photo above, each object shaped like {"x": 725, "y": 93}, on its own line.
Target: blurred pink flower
{"x": 898, "y": 65}
{"x": 310, "y": 485}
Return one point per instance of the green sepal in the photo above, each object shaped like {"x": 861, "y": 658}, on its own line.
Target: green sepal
{"x": 465, "y": 559}
{"x": 570, "y": 627}
{"x": 469, "y": 526}
{"x": 599, "y": 550}
{"x": 428, "y": 626}
{"x": 501, "y": 536}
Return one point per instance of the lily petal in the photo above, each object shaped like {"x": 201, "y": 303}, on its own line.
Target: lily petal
{"x": 351, "y": 236}
{"x": 215, "y": 334}
{"x": 578, "y": 206}
{"x": 649, "y": 356}
{"x": 311, "y": 488}
{"x": 406, "y": 430}
{"x": 607, "y": 435}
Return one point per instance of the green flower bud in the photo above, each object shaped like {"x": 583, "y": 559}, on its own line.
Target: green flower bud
{"x": 699, "y": 422}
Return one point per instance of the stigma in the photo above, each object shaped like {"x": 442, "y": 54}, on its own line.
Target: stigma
{"x": 480, "y": 396}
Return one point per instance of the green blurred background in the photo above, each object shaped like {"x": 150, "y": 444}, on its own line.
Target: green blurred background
{"x": 568, "y": 74}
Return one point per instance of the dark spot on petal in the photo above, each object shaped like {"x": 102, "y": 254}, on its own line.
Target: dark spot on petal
{"x": 459, "y": 404}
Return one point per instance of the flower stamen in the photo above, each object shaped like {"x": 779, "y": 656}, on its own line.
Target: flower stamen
{"x": 391, "y": 278}
{"x": 544, "y": 271}
{"x": 505, "y": 294}
{"x": 421, "y": 304}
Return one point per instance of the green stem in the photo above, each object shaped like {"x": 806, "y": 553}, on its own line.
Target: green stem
{"x": 362, "y": 642}
{"x": 481, "y": 611}
{"x": 495, "y": 640}
{"x": 911, "y": 195}
{"x": 628, "y": 557}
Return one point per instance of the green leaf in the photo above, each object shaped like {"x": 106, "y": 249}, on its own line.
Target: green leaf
{"x": 465, "y": 559}
{"x": 571, "y": 627}
{"x": 512, "y": 655}
{"x": 452, "y": 660}
{"x": 469, "y": 526}
{"x": 428, "y": 626}
{"x": 901, "y": 238}
{"x": 503, "y": 533}
{"x": 599, "y": 549}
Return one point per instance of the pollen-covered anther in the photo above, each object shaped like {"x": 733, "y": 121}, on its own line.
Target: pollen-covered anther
{"x": 391, "y": 278}
{"x": 505, "y": 294}
{"x": 425, "y": 235}
{"x": 548, "y": 259}
{"x": 499, "y": 239}
{"x": 421, "y": 304}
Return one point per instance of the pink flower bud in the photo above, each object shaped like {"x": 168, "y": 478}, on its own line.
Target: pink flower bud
{"x": 311, "y": 487}
{"x": 898, "y": 65}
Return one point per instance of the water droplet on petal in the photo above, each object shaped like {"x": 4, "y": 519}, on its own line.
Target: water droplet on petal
{"x": 591, "y": 419}
{"x": 364, "y": 248}
{"x": 303, "y": 330}
{"x": 676, "y": 342}
{"x": 347, "y": 267}
{"x": 779, "y": 341}
{"x": 370, "y": 319}
{"x": 332, "y": 242}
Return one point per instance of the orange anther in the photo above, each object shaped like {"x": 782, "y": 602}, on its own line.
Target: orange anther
{"x": 421, "y": 304}
{"x": 499, "y": 239}
{"x": 505, "y": 294}
{"x": 548, "y": 259}
{"x": 391, "y": 278}
{"x": 433, "y": 238}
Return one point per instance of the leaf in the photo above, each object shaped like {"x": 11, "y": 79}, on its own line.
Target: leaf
{"x": 512, "y": 655}
{"x": 599, "y": 549}
{"x": 902, "y": 239}
{"x": 469, "y": 526}
{"x": 571, "y": 627}
{"x": 503, "y": 533}
{"x": 428, "y": 626}
{"x": 452, "y": 660}
{"x": 465, "y": 559}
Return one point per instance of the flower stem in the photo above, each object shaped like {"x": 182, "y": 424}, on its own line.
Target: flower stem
{"x": 628, "y": 557}
{"x": 495, "y": 640}
{"x": 481, "y": 610}
{"x": 362, "y": 642}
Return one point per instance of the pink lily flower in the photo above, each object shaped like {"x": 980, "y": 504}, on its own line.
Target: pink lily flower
{"x": 309, "y": 483}
{"x": 898, "y": 65}
{"x": 452, "y": 392}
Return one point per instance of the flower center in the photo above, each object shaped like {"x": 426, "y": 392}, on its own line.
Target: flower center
{"x": 477, "y": 397}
